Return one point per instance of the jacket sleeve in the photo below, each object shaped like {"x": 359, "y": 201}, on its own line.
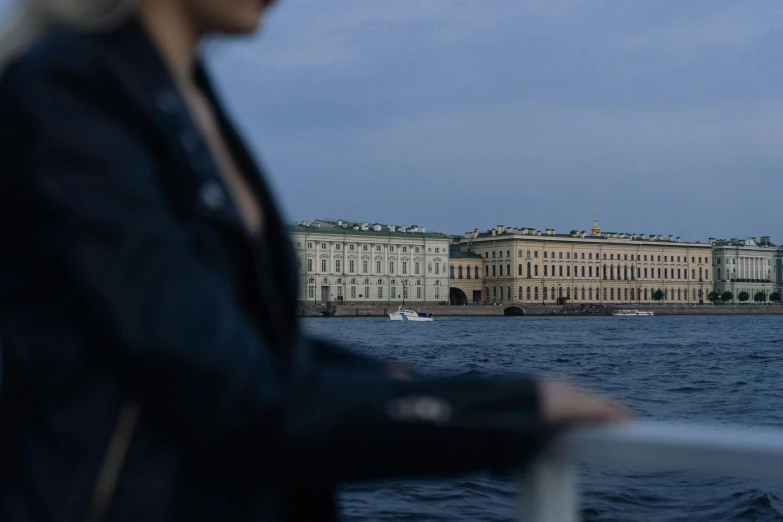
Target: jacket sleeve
{"x": 90, "y": 209}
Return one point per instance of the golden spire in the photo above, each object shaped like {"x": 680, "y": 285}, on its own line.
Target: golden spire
{"x": 596, "y": 229}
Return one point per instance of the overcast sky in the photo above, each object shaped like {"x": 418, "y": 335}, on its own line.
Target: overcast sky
{"x": 659, "y": 116}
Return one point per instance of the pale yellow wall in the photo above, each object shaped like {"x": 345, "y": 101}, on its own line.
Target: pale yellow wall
{"x": 564, "y": 253}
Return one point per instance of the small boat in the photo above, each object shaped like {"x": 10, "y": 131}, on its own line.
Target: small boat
{"x": 631, "y": 313}
{"x": 406, "y": 314}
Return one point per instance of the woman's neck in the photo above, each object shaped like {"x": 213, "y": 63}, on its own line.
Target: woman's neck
{"x": 173, "y": 33}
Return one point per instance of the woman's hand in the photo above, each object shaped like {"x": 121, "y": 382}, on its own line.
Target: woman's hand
{"x": 564, "y": 405}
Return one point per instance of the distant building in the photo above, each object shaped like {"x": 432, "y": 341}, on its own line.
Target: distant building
{"x": 529, "y": 265}
{"x": 746, "y": 265}
{"x": 466, "y": 275}
{"x": 353, "y": 262}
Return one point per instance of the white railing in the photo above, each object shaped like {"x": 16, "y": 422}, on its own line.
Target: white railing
{"x": 548, "y": 488}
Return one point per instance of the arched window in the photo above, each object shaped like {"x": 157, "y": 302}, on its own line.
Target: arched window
{"x": 475, "y": 272}
{"x": 520, "y": 293}
{"x": 528, "y": 271}
{"x": 459, "y": 271}
{"x": 451, "y": 272}
{"x": 528, "y": 293}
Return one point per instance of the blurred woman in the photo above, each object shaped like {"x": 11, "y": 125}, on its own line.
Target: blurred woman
{"x": 154, "y": 366}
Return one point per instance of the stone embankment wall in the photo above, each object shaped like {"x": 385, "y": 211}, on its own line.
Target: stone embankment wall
{"x": 542, "y": 310}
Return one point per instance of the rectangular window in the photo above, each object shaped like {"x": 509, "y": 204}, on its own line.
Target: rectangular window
{"x": 536, "y": 268}
{"x": 391, "y": 267}
{"x": 323, "y": 265}
{"x": 366, "y": 292}
{"x": 568, "y": 271}
{"x": 437, "y": 268}
{"x": 364, "y": 267}
{"x": 353, "y": 292}
{"x": 351, "y": 266}
{"x": 494, "y": 271}
{"x": 377, "y": 267}
{"x": 519, "y": 269}
{"x": 404, "y": 267}
{"x": 545, "y": 270}
{"x": 645, "y": 273}
{"x": 393, "y": 292}
{"x": 311, "y": 292}
{"x": 418, "y": 293}
{"x": 693, "y": 273}
{"x": 309, "y": 265}
{"x": 706, "y": 274}
{"x": 416, "y": 267}
{"x": 309, "y": 245}
{"x": 380, "y": 292}
{"x": 337, "y": 265}
{"x": 508, "y": 271}
{"x": 589, "y": 272}
{"x": 561, "y": 270}
{"x": 323, "y": 246}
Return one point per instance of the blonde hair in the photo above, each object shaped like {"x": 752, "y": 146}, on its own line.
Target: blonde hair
{"x": 29, "y": 19}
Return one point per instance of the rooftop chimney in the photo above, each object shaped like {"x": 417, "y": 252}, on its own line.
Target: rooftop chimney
{"x": 501, "y": 229}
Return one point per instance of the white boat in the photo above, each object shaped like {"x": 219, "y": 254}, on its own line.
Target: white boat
{"x": 406, "y": 314}
{"x": 631, "y": 313}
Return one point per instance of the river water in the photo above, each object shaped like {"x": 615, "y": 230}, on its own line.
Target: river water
{"x": 716, "y": 370}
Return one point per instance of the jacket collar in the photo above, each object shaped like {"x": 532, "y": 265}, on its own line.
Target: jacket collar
{"x": 135, "y": 61}
{"x": 146, "y": 78}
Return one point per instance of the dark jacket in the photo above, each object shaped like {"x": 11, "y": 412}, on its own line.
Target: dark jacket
{"x": 154, "y": 366}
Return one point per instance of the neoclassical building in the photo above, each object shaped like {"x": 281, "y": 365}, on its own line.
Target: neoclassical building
{"x": 346, "y": 262}
{"x": 534, "y": 266}
{"x": 746, "y": 265}
{"x": 466, "y": 275}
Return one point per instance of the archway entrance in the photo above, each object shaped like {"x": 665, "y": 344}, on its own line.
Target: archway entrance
{"x": 457, "y": 297}
{"x": 513, "y": 311}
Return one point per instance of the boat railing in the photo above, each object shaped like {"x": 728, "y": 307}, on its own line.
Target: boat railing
{"x": 549, "y": 486}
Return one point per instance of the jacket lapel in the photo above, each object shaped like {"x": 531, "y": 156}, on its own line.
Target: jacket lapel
{"x": 146, "y": 79}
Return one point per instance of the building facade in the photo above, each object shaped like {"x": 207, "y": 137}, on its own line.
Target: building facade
{"x": 466, "y": 276}
{"x": 346, "y": 262}
{"x": 746, "y": 265}
{"x": 532, "y": 266}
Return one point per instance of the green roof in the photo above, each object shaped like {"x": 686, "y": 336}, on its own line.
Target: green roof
{"x": 345, "y": 231}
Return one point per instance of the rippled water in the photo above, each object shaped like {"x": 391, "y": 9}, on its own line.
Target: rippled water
{"x": 719, "y": 370}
